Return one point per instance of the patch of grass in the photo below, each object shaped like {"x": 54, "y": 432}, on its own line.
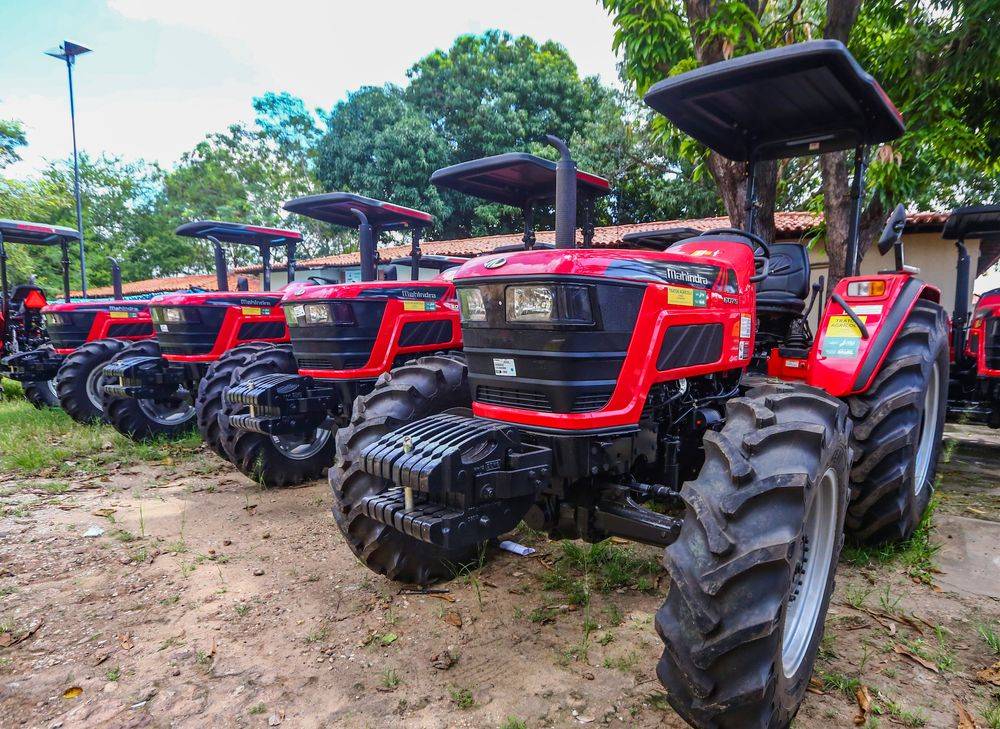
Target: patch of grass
{"x": 512, "y": 722}
{"x": 260, "y": 708}
{"x": 543, "y": 614}
{"x": 857, "y": 596}
{"x": 906, "y": 717}
{"x": 462, "y": 698}
{"x": 991, "y": 636}
{"x": 318, "y": 635}
{"x": 242, "y": 608}
{"x": 839, "y": 682}
{"x": 140, "y": 555}
{"x": 390, "y": 679}
{"x": 53, "y": 487}
{"x": 625, "y": 663}
{"x": 938, "y": 653}
{"x": 606, "y": 638}
{"x": 916, "y": 554}
{"x": 992, "y": 714}
{"x": 113, "y": 674}
{"x": 603, "y": 567}
{"x": 614, "y": 615}
{"x": 123, "y": 535}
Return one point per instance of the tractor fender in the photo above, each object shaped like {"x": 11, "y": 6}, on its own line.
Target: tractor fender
{"x": 842, "y": 360}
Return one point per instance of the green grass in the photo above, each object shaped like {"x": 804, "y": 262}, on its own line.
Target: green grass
{"x": 992, "y": 715}
{"x": 390, "y": 678}
{"x": 602, "y": 567}
{"x": 462, "y": 698}
{"x": 512, "y": 722}
{"x": 992, "y": 638}
{"x": 257, "y": 709}
{"x": 33, "y": 442}
{"x": 916, "y": 554}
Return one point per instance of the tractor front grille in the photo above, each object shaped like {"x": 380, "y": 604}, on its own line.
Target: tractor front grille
{"x": 72, "y": 328}
{"x": 196, "y": 335}
{"x": 345, "y": 343}
{"x": 511, "y": 398}
{"x": 993, "y": 342}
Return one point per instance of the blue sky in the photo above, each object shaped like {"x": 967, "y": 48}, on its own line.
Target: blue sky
{"x": 166, "y": 72}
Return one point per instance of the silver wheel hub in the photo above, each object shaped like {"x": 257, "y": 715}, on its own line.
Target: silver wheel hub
{"x": 812, "y": 574}
{"x": 167, "y": 413}
{"x": 93, "y": 388}
{"x": 927, "y": 441}
{"x": 299, "y": 447}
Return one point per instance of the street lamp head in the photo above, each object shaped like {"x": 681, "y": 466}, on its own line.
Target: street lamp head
{"x": 67, "y": 51}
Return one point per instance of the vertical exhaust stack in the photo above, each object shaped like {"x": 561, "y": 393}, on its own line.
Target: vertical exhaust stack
{"x": 116, "y": 279}
{"x": 290, "y": 256}
{"x": 960, "y": 316}
{"x": 366, "y": 243}
{"x": 565, "y": 195}
{"x": 221, "y": 270}
{"x": 242, "y": 283}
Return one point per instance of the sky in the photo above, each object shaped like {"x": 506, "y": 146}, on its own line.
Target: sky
{"x": 163, "y": 73}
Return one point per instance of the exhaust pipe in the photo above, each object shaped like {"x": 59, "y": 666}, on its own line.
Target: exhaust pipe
{"x": 116, "y": 279}
{"x": 221, "y": 270}
{"x": 565, "y": 195}
{"x": 366, "y": 243}
{"x": 960, "y": 316}
{"x": 242, "y": 283}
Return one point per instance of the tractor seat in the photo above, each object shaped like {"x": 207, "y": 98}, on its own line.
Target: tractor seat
{"x": 784, "y": 291}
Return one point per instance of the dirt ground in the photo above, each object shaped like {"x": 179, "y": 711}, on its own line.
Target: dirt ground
{"x": 178, "y": 593}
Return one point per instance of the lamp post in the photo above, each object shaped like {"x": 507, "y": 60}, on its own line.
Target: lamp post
{"x": 68, "y": 51}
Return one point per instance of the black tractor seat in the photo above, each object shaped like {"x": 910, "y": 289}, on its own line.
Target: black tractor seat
{"x": 784, "y": 291}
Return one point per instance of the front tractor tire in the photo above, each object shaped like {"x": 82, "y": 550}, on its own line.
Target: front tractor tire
{"x": 428, "y": 386}
{"x": 79, "y": 383}
{"x": 144, "y": 420}
{"x": 41, "y": 394}
{"x": 273, "y": 461}
{"x": 752, "y": 570}
{"x": 208, "y": 403}
{"x": 898, "y": 427}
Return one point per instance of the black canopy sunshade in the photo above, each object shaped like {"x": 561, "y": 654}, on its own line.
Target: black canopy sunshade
{"x": 973, "y": 221}
{"x": 659, "y": 239}
{"x": 254, "y": 235}
{"x": 21, "y": 231}
{"x": 335, "y": 207}
{"x": 514, "y": 178}
{"x": 803, "y": 99}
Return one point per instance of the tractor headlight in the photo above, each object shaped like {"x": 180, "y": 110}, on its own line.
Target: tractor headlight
{"x": 471, "y": 305}
{"x": 317, "y": 314}
{"x": 172, "y": 315}
{"x": 54, "y": 320}
{"x": 558, "y": 304}
{"x": 866, "y": 288}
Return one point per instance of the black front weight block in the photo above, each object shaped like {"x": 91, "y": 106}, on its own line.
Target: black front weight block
{"x": 143, "y": 378}
{"x": 475, "y": 479}
{"x": 37, "y": 365}
{"x": 282, "y": 404}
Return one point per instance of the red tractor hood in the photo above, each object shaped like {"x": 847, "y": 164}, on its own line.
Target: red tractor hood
{"x": 109, "y": 305}
{"x": 237, "y": 298}
{"x": 370, "y": 290}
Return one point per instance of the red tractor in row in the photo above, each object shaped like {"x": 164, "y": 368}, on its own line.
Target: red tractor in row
{"x": 56, "y": 350}
{"x": 625, "y": 393}
{"x": 974, "y": 391}
{"x": 283, "y": 408}
{"x": 162, "y": 387}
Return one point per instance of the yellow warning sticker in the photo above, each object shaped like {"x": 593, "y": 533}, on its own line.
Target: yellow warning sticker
{"x": 118, "y": 314}
{"x": 843, "y": 326}
{"x": 251, "y": 311}
{"x": 677, "y": 296}
{"x": 413, "y": 306}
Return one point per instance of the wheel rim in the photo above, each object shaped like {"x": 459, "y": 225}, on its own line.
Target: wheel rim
{"x": 93, "y": 388}
{"x": 299, "y": 448}
{"x": 805, "y": 603}
{"x": 50, "y": 385}
{"x": 927, "y": 443}
{"x": 166, "y": 413}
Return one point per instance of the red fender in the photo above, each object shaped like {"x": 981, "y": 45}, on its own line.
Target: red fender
{"x": 842, "y": 361}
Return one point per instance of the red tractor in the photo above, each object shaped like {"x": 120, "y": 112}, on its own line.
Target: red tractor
{"x": 623, "y": 393}
{"x": 163, "y": 386}
{"x": 974, "y": 391}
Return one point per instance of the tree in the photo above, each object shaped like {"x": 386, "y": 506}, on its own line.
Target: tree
{"x": 920, "y": 52}
{"x": 11, "y": 138}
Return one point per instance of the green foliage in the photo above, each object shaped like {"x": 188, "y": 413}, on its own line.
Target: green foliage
{"x": 12, "y": 137}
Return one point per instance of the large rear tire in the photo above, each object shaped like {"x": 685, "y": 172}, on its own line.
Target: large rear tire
{"x": 274, "y": 461}
{"x": 752, "y": 571}
{"x": 208, "y": 403}
{"x": 144, "y": 420}
{"x": 425, "y": 387}
{"x": 79, "y": 383}
{"x": 898, "y": 427}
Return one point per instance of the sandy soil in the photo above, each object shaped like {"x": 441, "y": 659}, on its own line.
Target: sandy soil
{"x": 205, "y": 601}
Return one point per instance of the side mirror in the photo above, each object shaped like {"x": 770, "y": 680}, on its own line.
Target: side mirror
{"x": 893, "y": 230}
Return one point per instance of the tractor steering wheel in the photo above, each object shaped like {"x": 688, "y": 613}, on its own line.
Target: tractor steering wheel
{"x": 762, "y": 261}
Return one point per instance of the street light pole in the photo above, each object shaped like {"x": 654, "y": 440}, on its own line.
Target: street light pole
{"x": 68, "y": 51}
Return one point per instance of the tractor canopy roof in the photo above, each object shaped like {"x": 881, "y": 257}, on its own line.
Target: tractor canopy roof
{"x": 804, "y": 99}
{"x": 514, "y": 178}
{"x": 659, "y": 240}
{"x": 253, "y": 235}
{"x": 438, "y": 263}
{"x": 335, "y": 207}
{"x": 20, "y": 231}
{"x": 973, "y": 221}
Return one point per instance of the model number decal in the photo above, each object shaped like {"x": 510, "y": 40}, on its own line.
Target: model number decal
{"x": 504, "y": 367}
{"x": 677, "y": 296}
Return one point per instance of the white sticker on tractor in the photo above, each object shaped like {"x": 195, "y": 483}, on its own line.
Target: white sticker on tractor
{"x": 504, "y": 367}
{"x": 745, "y": 323}
{"x": 744, "y": 349}
{"x": 163, "y": 328}
{"x": 299, "y": 310}
{"x": 872, "y": 309}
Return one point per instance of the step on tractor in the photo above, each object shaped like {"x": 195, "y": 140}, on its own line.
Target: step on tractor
{"x": 26, "y": 353}
{"x": 974, "y": 390}
{"x": 283, "y": 409}
{"x": 625, "y": 393}
{"x": 163, "y": 387}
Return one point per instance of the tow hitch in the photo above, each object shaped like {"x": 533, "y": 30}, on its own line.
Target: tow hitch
{"x": 461, "y": 481}
{"x": 144, "y": 378}
{"x": 281, "y": 404}
{"x": 37, "y": 365}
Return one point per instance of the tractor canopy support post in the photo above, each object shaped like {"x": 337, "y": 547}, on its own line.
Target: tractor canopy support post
{"x": 4, "y": 298}
{"x": 960, "y": 316}
{"x": 751, "y": 195}
{"x": 221, "y": 270}
{"x": 265, "y": 254}
{"x": 529, "y": 226}
{"x": 588, "y": 221}
{"x": 65, "y": 270}
{"x": 116, "y": 279}
{"x": 415, "y": 254}
{"x": 565, "y": 195}
{"x": 290, "y": 264}
{"x": 854, "y": 231}
{"x": 366, "y": 243}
